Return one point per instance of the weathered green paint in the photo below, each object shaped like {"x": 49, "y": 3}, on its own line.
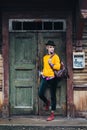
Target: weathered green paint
{"x": 60, "y": 40}
{"x": 25, "y": 49}
{"x": 22, "y": 72}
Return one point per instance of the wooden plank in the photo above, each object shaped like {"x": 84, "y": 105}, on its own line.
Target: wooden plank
{"x": 80, "y": 71}
{"x": 1, "y": 72}
{"x": 80, "y": 100}
{"x": 80, "y": 82}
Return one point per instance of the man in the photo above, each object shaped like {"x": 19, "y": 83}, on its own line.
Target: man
{"x": 51, "y": 59}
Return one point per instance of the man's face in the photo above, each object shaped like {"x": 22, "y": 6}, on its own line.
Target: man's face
{"x": 50, "y": 49}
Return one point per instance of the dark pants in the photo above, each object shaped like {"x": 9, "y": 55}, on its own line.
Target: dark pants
{"x": 52, "y": 86}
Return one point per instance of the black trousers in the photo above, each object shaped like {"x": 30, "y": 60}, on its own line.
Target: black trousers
{"x": 42, "y": 89}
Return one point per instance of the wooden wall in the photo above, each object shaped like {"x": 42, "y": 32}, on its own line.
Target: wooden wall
{"x": 80, "y": 81}
{"x": 1, "y": 71}
{"x": 1, "y": 83}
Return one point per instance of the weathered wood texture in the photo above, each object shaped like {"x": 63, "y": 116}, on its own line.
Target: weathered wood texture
{"x": 80, "y": 100}
{"x": 1, "y": 82}
{"x": 1, "y": 71}
{"x": 80, "y": 75}
{"x": 69, "y": 65}
{"x": 80, "y": 80}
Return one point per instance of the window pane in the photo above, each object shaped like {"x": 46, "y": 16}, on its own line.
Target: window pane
{"x": 47, "y": 25}
{"x": 58, "y": 25}
{"x": 32, "y": 25}
{"x": 16, "y": 25}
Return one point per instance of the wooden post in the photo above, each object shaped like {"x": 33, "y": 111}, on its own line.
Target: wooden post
{"x": 5, "y": 48}
{"x": 69, "y": 50}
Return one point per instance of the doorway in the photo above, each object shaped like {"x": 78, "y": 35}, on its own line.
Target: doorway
{"x": 25, "y": 50}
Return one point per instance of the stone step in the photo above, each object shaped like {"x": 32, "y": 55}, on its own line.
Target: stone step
{"x": 23, "y": 127}
{"x": 40, "y": 123}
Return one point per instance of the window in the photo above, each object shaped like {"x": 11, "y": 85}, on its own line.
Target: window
{"x": 27, "y": 25}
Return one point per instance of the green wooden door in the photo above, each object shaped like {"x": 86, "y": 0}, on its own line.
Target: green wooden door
{"x": 60, "y": 40}
{"x": 24, "y": 50}
{"x": 23, "y": 53}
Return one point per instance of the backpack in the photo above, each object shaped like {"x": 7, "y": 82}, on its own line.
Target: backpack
{"x": 62, "y": 73}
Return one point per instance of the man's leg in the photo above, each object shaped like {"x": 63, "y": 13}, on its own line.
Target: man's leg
{"x": 42, "y": 90}
{"x": 53, "y": 85}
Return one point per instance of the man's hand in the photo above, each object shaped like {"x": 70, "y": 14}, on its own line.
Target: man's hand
{"x": 50, "y": 61}
{"x": 40, "y": 73}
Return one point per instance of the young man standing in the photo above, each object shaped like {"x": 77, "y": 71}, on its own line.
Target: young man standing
{"x": 51, "y": 59}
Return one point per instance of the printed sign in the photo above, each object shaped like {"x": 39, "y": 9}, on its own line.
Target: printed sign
{"x": 78, "y": 60}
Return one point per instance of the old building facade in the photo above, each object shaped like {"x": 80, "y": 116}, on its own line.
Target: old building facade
{"x": 25, "y": 28}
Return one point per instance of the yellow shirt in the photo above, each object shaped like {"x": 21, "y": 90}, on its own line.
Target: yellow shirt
{"x": 47, "y": 70}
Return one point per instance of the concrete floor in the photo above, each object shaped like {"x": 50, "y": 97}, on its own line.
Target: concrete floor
{"x": 41, "y": 121}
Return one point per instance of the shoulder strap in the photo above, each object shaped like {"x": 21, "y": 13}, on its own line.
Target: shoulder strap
{"x": 51, "y": 58}
{"x": 52, "y": 55}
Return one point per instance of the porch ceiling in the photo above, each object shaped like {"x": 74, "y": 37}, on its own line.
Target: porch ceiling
{"x": 54, "y": 4}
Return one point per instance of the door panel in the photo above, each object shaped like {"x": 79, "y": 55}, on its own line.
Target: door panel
{"x": 22, "y": 72}
{"x": 59, "y": 40}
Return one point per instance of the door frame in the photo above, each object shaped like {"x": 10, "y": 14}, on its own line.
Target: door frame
{"x": 5, "y": 53}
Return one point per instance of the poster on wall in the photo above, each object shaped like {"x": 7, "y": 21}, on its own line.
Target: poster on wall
{"x": 78, "y": 60}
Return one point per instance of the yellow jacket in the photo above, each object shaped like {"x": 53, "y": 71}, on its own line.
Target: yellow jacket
{"x": 47, "y": 70}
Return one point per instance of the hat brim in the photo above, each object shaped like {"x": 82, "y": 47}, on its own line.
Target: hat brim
{"x": 50, "y": 44}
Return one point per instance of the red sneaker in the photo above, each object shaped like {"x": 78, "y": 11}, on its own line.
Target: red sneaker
{"x": 51, "y": 117}
{"x": 47, "y": 106}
